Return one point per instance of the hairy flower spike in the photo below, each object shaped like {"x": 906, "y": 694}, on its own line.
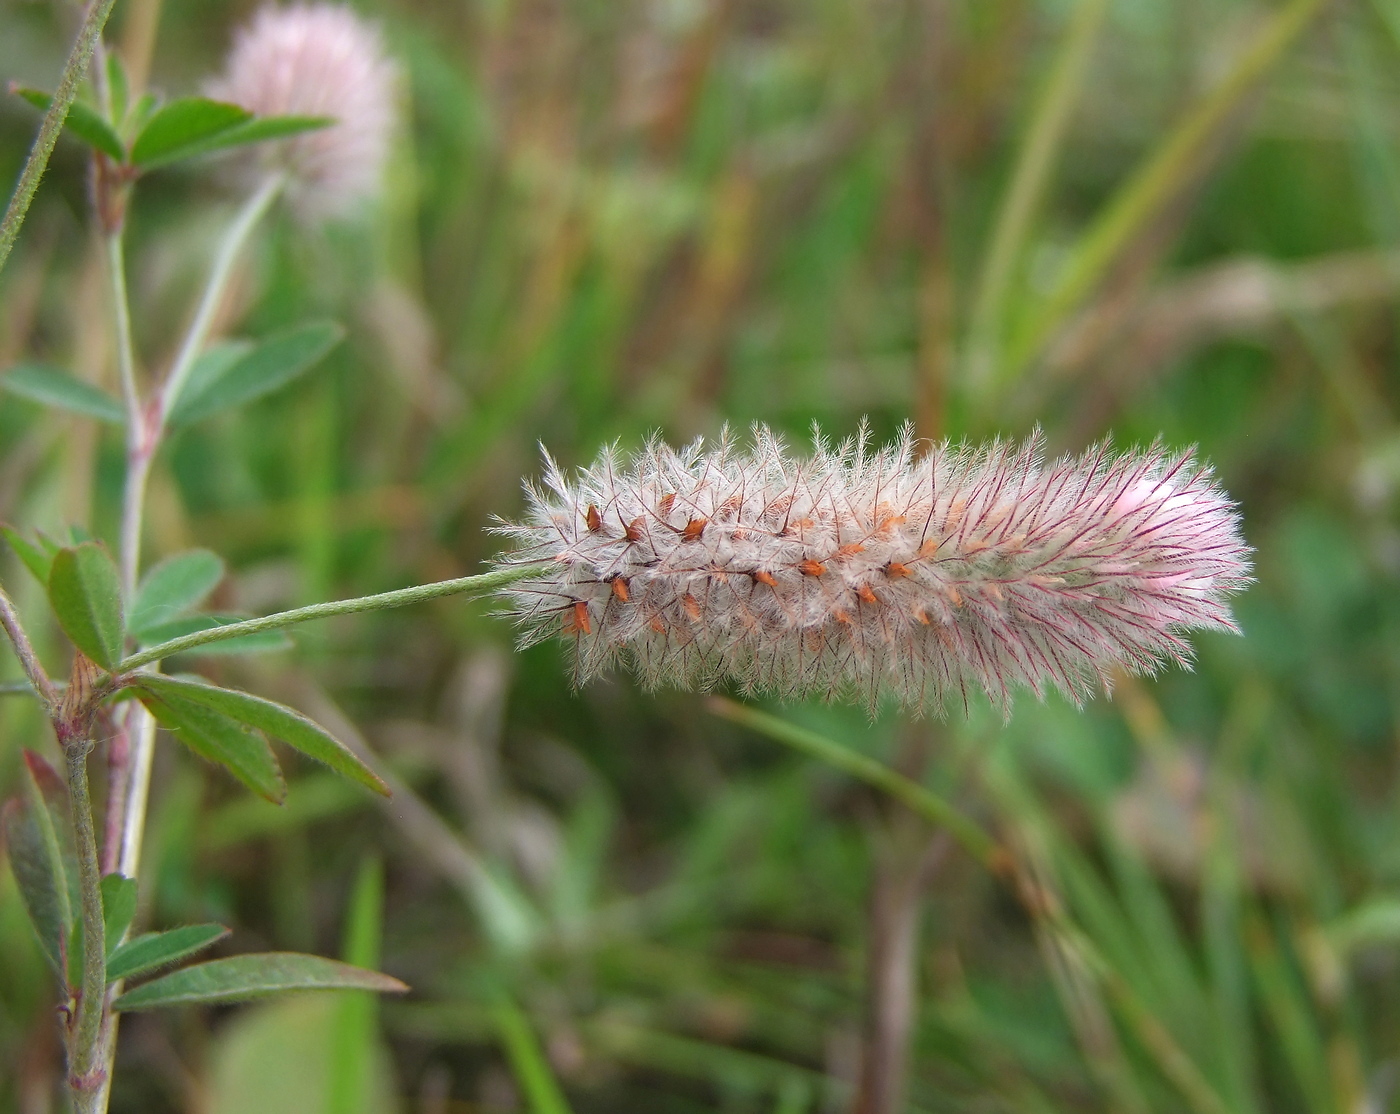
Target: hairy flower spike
{"x": 859, "y": 573}
{"x": 317, "y": 60}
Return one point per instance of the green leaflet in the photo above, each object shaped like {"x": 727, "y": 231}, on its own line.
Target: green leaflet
{"x": 177, "y": 129}
{"x": 86, "y": 594}
{"x": 173, "y": 587}
{"x": 82, "y": 122}
{"x": 242, "y": 977}
{"x": 50, "y": 387}
{"x": 36, "y": 860}
{"x": 293, "y": 728}
{"x": 118, "y": 908}
{"x": 212, "y": 735}
{"x": 160, "y": 949}
{"x": 258, "y": 371}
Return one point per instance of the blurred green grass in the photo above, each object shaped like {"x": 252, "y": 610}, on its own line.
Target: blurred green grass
{"x": 613, "y": 218}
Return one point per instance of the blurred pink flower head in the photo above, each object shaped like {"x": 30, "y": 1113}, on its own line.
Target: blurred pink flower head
{"x": 861, "y": 573}
{"x": 318, "y": 60}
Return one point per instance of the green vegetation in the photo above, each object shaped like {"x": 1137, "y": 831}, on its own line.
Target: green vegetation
{"x": 1108, "y": 218}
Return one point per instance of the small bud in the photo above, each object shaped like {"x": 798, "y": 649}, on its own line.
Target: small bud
{"x": 862, "y": 573}
{"x": 317, "y": 60}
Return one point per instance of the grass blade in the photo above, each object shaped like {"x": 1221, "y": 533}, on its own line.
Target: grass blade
{"x": 1034, "y": 163}
{"x": 353, "y": 1026}
{"x": 527, "y": 1059}
{"x": 1158, "y": 179}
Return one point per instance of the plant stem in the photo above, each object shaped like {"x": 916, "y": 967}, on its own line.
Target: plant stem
{"x": 134, "y": 751}
{"x": 140, "y": 728}
{"x": 138, "y": 449}
{"x": 141, "y": 445}
{"x": 214, "y": 290}
{"x": 145, "y": 431}
{"x": 85, "y": 1063}
{"x": 482, "y": 582}
{"x": 138, "y": 473}
{"x": 28, "y": 659}
{"x": 121, "y": 320}
{"x": 93, "y": 22}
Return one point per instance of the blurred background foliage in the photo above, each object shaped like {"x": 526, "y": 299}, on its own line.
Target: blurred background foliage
{"x": 1108, "y": 218}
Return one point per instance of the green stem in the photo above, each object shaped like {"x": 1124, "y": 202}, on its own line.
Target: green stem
{"x": 130, "y": 752}
{"x": 86, "y": 1054}
{"x": 482, "y": 582}
{"x": 138, "y": 473}
{"x": 93, "y": 22}
{"x": 977, "y": 842}
{"x": 121, "y": 320}
{"x": 138, "y": 450}
{"x": 229, "y": 250}
{"x": 144, "y": 434}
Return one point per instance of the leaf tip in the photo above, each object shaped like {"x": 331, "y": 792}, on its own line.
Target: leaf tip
{"x": 371, "y": 781}
{"x": 44, "y": 775}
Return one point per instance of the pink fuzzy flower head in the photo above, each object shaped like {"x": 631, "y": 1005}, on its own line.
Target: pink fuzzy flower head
{"x": 317, "y": 60}
{"x": 859, "y": 573}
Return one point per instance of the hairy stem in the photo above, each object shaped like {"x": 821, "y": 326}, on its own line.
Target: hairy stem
{"x": 482, "y": 582}
{"x": 214, "y": 290}
{"x": 85, "y": 1060}
{"x": 29, "y": 661}
{"x": 93, "y": 21}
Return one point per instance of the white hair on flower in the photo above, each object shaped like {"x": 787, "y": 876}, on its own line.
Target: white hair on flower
{"x": 317, "y": 60}
{"x": 860, "y": 573}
